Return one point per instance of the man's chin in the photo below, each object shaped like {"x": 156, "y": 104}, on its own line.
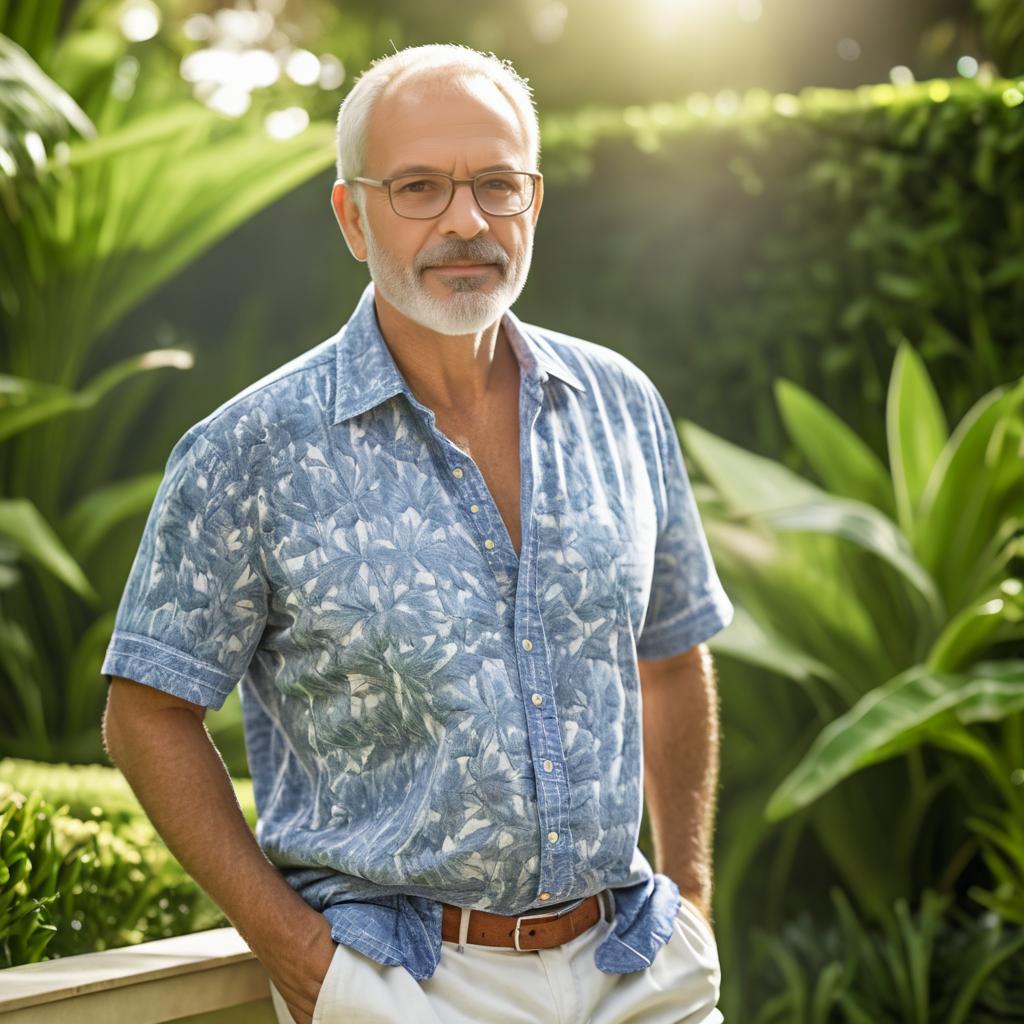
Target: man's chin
{"x": 454, "y": 307}
{"x": 447, "y": 326}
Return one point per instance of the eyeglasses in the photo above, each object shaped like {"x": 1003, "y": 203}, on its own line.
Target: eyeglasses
{"x": 422, "y": 196}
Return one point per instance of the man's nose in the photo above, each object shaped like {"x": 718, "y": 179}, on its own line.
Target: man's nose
{"x": 463, "y": 216}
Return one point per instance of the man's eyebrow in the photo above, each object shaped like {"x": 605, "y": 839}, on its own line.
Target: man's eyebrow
{"x": 426, "y": 168}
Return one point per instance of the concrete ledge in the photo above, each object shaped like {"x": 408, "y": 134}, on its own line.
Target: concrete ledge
{"x": 167, "y": 980}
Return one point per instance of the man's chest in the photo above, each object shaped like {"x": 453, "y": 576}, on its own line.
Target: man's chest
{"x": 386, "y": 523}
{"x": 494, "y": 448}
{"x": 395, "y": 602}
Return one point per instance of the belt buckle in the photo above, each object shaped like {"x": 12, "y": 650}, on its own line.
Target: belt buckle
{"x": 519, "y": 921}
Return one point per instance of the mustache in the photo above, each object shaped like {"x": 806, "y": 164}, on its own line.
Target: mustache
{"x": 464, "y": 252}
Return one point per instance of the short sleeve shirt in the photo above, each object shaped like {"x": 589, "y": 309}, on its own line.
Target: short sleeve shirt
{"x": 428, "y": 715}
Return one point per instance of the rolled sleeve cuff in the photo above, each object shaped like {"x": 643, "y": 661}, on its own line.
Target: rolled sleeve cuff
{"x": 154, "y": 663}
{"x": 687, "y": 628}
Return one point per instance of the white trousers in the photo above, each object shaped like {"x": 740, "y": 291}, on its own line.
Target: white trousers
{"x": 496, "y": 985}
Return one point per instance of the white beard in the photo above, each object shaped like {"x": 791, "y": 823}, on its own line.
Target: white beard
{"x": 473, "y": 302}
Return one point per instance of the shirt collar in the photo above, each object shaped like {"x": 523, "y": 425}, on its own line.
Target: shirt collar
{"x": 366, "y": 372}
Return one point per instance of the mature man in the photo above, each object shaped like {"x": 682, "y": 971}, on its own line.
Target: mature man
{"x": 456, "y": 564}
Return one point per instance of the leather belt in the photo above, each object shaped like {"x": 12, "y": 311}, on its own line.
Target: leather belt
{"x": 524, "y": 932}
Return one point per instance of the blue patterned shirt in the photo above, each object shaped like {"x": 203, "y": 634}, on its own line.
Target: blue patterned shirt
{"x": 429, "y": 716}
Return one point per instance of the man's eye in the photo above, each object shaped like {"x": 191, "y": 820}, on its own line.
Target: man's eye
{"x": 421, "y": 185}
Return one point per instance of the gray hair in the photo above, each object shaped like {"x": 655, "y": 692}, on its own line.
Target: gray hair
{"x": 452, "y": 61}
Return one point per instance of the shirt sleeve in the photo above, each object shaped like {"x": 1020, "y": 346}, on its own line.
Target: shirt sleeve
{"x": 688, "y": 603}
{"x": 194, "y": 607}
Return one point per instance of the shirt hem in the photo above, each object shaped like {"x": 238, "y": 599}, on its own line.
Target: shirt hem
{"x": 154, "y": 663}
{"x": 687, "y": 628}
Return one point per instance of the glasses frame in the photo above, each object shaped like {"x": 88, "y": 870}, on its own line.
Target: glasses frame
{"x": 386, "y": 183}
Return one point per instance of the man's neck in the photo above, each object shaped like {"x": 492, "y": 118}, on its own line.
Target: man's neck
{"x": 451, "y": 374}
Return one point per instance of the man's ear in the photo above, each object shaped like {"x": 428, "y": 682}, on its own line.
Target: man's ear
{"x": 349, "y": 219}
{"x": 538, "y": 199}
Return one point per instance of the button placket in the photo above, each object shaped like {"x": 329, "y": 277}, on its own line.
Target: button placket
{"x": 486, "y": 524}
{"x": 556, "y": 874}
{"x": 538, "y": 700}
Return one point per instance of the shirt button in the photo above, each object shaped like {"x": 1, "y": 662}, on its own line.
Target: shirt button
{"x": 457, "y": 473}
{"x": 528, "y": 645}
{"x": 549, "y": 765}
{"x": 488, "y": 543}
{"x": 553, "y": 836}
{"x": 544, "y": 896}
{"x": 537, "y": 699}
{"x": 474, "y": 508}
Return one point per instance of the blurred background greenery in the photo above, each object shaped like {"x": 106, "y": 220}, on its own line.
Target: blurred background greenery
{"x": 804, "y": 219}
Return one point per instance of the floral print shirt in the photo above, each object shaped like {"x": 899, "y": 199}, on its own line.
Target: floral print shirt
{"x": 428, "y": 715}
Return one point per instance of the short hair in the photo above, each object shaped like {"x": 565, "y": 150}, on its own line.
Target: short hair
{"x": 453, "y": 61}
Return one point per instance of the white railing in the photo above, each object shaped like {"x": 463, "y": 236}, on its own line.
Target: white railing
{"x": 213, "y": 974}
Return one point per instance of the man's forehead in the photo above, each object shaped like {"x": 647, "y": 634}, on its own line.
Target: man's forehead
{"x": 440, "y": 121}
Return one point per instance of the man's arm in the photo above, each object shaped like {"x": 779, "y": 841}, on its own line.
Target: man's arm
{"x": 160, "y": 744}
{"x": 681, "y": 749}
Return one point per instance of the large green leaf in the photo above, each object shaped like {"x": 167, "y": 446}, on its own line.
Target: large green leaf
{"x": 779, "y": 502}
{"x": 912, "y": 708}
{"x": 797, "y": 587}
{"x": 209, "y": 177}
{"x": 21, "y": 522}
{"x": 32, "y": 102}
{"x": 870, "y": 530}
{"x": 976, "y": 483}
{"x": 24, "y": 403}
{"x": 993, "y": 618}
{"x": 842, "y": 461}
{"x": 915, "y": 429}
{"x": 748, "y": 484}
{"x": 748, "y": 639}
{"x": 95, "y": 515}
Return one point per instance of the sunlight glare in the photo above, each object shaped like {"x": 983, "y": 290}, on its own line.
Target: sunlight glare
{"x": 668, "y": 14}
{"x": 140, "y": 20}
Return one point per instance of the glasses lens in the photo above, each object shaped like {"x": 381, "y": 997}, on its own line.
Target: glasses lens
{"x": 504, "y": 193}
{"x": 420, "y": 195}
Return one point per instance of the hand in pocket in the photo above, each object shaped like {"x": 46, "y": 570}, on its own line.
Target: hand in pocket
{"x": 299, "y": 971}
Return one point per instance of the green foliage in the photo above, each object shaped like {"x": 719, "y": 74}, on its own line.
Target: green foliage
{"x": 725, "y": 240}
{"x": 125, "y": 185}
{"x": 892, "y": 597}
{"x": 82, "y": 869}
{"x": 1002, "y": 29}
{"x": 930, "y": 967}
{"x": 917, "y": 706}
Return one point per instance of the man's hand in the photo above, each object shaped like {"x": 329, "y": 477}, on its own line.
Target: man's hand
{"x": 298, "y": 969}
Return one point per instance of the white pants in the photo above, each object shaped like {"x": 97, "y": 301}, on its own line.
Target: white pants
{"x": 498, "y": 985}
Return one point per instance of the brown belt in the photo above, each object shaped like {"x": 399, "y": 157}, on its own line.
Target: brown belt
{"x": 522, "y": 933}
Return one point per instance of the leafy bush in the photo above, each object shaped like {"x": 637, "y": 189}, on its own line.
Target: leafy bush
{"x": 125, "y": 190}
{"x": 726, "y": 240}
{"x": 891, "y": 598}
{"x": 76, "y": 877}
{"x": 930, "y": 967}
{"x": 1002, "y": 29}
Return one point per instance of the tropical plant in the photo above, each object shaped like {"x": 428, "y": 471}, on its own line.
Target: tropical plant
{"x": 83, "y": 869}
{"x": 892, "y": 598}
{"x": 106, "y": 196}
{"x": 934, "y": 966}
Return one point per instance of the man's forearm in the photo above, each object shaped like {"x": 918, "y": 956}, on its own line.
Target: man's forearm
{"x": 681, "y": 751}
{"x": 179, "y": 778}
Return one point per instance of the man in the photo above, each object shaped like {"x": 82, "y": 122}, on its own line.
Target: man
{"x": 456, "y": 564}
